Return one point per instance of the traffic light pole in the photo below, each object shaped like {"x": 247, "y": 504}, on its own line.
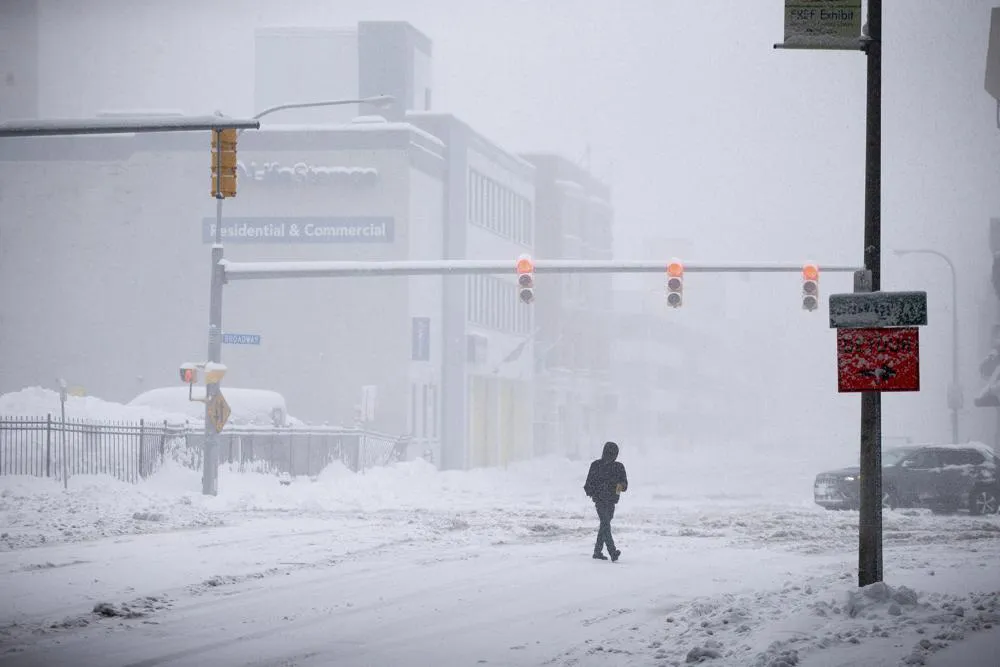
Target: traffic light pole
{"x": 457, "y": 267}
{"x": 210, "y": 467}
{"x": 870, "y": 520}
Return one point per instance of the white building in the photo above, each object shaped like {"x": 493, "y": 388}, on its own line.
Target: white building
{"x": 488, "y": 374}
{"x": 117, "y": 229}
{"x": 573, "y": 312}
{"x": 104, "y": 265}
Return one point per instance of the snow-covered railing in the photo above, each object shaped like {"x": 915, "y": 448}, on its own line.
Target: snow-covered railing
{"x": 49, "y": 447}
{"x": 131, "y": 451}
{"x": 297, "y": 450}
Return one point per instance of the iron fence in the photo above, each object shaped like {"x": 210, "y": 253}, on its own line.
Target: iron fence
{"x": 48, "y": 447}
{"x": 297, "y": 450}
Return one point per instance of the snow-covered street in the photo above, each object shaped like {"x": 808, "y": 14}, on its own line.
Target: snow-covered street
{"x": 407, "y": 565}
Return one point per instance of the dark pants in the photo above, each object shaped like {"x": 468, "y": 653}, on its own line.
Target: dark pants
{"x": 605, "y": 512}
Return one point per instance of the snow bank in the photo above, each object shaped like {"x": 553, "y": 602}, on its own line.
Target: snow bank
{"x": 39, "y": 402}
{"x": 785, "y": 627}
{"x": 36, "y": 510}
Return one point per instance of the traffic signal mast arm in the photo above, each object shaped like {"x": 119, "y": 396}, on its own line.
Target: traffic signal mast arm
{"x": 459, "y": 267}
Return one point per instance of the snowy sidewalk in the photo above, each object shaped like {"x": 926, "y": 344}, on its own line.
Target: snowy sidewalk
{"x": 981, "y": 649}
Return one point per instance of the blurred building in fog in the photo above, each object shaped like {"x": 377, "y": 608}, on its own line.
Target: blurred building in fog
{"x": 673, "y": 374}
{"x": 487, "y": 369}
{"x": 132, "y": 219}
{"x": 19, "y": 37}
{"x": 447, "y": 360}
{"x": 988, "y": 395}
{"x": 573, "y": 312}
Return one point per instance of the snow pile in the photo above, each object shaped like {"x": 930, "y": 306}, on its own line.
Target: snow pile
{"x": 36, "y": 511}
{"x": 39, "y": 402}
{"x": 815, "y": 615}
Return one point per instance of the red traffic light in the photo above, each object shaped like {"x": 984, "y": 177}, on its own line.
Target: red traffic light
{"x": 525, "y": 265}
{"x": 675, "y": 269}
{"x": 810, "y": 272}
{"x": 189, "y": 375}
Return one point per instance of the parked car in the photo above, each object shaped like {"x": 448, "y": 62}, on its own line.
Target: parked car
{"x": 944, "y": 478}
{"x": 250, "y": 407}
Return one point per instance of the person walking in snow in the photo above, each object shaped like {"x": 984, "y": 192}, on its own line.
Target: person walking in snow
{"x": 606, "y": 481}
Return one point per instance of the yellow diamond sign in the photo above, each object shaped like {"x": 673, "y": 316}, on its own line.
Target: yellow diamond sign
{"x": 219, "y": 411}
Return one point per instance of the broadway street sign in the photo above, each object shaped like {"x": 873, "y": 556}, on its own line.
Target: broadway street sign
{"x": 240, "y": 339}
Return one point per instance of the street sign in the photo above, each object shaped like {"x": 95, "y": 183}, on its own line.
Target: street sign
{"x": 219, "y": 411}
{"x": 878, "y": 359}
{"x": 878, "y": 309}
{"x": 240, "y": 339}
{"x": 822, "y": 24}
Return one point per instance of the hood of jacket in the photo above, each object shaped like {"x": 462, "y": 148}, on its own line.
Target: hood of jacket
{"x": 610, "y": 452}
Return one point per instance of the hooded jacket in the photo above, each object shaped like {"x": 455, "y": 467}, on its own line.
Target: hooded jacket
{"x": 606, "y": 473}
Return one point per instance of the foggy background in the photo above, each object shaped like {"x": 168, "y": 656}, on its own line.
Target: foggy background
{"x": 707, "y": 135}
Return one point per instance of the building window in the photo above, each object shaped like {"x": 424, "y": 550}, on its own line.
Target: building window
{"x": 493, "y": 303}
{"x": 498, "y": 209}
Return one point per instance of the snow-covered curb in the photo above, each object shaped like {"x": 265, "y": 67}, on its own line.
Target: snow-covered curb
{"x": 821, "y": 614}
{"x": 37, "y": 511}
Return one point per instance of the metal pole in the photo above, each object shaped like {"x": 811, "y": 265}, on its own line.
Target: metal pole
{"x": 955, "y": 395}
{"x": 76, "y": 126}
{"x": 955, "y": 398}
{"x": 210, "y": 472}
{"x": 870, "y": 520}
{"x": 62, "y": 439}
{"x": 456, "y": 267}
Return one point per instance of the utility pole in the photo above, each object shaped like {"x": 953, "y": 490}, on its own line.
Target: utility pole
{"x": 870, "y": 521}
{"x": 224, "y": 169}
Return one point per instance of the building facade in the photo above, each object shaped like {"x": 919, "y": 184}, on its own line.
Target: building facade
{"x": 489, "y": 213}
{"x": 117, "y": 229}
{"x": 19, "y": 59}
{"x": 573, "y": 393}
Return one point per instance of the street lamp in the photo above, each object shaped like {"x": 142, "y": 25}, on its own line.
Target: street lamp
{"x": 380, "y": 101}
{"x": 210, "y": 471}
{"x": 955, "y": 397}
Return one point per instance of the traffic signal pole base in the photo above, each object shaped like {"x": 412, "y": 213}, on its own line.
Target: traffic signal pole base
{"x": 870, "y": 519}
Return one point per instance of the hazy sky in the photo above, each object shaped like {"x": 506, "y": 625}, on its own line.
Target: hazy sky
{"x": 705, "y": 131}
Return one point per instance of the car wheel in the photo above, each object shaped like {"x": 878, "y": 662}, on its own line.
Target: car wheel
{"x": 983, "y": 500}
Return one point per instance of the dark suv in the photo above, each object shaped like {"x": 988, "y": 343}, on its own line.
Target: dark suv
{"x": 943, "y": 478}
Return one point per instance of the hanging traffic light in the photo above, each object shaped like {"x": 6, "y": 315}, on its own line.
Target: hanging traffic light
{"x": 810, "y": 287}
{"x": 525, "y": 279}
{"x": 224, "y": 163}
{"x": 675, "y": 284}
